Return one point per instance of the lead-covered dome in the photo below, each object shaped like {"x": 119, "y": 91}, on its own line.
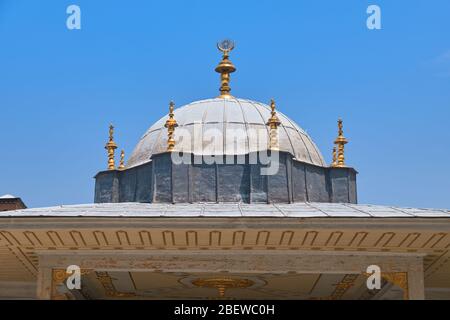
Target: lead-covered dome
{"x": 229, "y": 139}
{"x": 223, "y": 119}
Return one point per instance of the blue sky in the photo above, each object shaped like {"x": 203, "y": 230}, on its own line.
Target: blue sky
{"x": 60, "y": 88}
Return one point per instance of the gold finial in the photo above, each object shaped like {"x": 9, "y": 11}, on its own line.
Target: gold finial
{"x": 225, "y": 67}
{"x": 334, "y": 163}
{"x": 111, "y": 147}
{"x": 222, "y": 284}
{"x": 273, "y": 124}
{"x": 340, "y": 142}
{"x": 122, "y": 160}
{"x": 171, "y": 124}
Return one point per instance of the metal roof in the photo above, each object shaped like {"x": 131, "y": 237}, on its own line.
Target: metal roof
{"x": 225, "y": 116}
{"x": 8, "y": 196}
{"x": 294, "y": 210}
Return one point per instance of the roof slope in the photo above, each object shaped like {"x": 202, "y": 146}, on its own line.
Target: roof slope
{"x": 294, "y": 210}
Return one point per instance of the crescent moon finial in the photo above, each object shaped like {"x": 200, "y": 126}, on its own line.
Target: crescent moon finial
{"x": 225, "y": 67}
{"x": 225, "y": 45}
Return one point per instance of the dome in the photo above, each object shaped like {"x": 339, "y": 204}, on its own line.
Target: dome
{"x": 229, "y": 138}
{"x": 232, "y": 123}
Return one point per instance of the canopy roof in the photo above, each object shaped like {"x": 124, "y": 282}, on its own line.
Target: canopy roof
{"x": 294, "y": 210}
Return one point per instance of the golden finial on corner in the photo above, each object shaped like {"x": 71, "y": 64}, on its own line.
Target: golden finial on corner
{"x": 225, "y": 67}
{"x": 122, "y": 160}
{"x": 111, "y": 147}
{"x": 334, "y": 163}
{"x": 340, "y": 142}
{"x": 273, "y": 124}
{"x": 171, "y": 124}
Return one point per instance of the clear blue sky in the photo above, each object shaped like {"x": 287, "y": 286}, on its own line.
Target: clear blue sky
{"x": 59, "y": 89}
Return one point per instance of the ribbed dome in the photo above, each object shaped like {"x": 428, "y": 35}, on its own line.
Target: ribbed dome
{"x": 225, "y": 117}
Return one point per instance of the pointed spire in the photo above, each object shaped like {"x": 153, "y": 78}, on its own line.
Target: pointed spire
{"x": 171, "y": 124}
{"x": 225, "y": 67}
{"x": 122, "y": 160}
{"x": 273, "y": 124}
{"x": 111, "y": 147}
{"x": 340, "y": 142}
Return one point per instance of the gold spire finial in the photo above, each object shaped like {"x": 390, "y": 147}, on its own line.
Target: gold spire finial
{"x": 334, "y": 162}
{"x": 122, "y": 160}
{"x": 111, "y": 147}
{"x": 273, "y": 124}
{"x": 225, "y": 67}
{"x": 340, "y": 142}
{"x": 171, "y": 124}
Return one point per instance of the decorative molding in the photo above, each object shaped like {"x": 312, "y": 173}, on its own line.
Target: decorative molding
{"x": 222, "y": 283}
{"x": 400, "y": 279}
{"x": 26, "y": 242}
{"x": 110, "y": 290}
{"x": 343, "y": 286}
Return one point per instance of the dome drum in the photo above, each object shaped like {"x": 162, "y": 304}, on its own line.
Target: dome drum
{"x": 163, "y": 181}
